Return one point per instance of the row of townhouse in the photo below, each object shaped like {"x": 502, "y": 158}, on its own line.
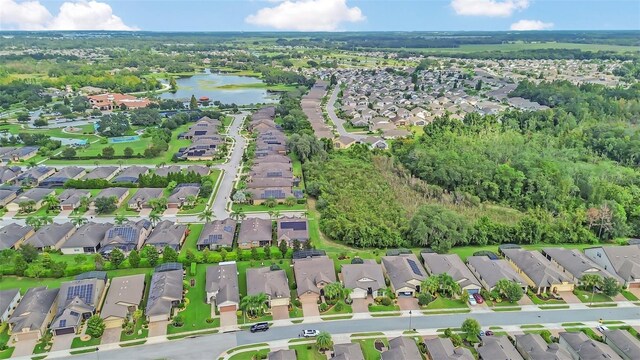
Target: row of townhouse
{"x": 95, "y": 237}
{"x": 311, "y": 104}
{"x": 205, "y": 140}
{"x": 271, "y": 175}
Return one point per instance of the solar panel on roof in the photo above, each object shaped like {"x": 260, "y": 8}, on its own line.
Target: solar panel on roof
{"x": 228, "y": 228}
{"x": 169, "y": 267}
{"x": 414, "y": 267}
{"x": 84, "y": 292}
{"x": 294, "y": 225}
{"x": 276, "y": 194}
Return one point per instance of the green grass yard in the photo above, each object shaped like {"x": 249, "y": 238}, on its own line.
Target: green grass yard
{"x": 444, "y": 303}
{"x": 78, "y": 343}
{"x": 368, "y": 348}
{"x": 197, "y": 310}
{"x": 307, "y": 352}
{"x": 585, "y": 296}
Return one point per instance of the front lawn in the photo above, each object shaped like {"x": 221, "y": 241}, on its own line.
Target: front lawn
{"x": 368, "y": 348}
{"x": 346, "y": 309}
{"x": 143, "y": 333}
{"x": 539, "y": 301}
{"x": 78, "y": 343}
{"x": 381, "y": 308}
{"x": 629, "y": 295}
{"x": 192, "y": 239}
{"x": 4, "y": 339}
{"x": 197, "y": 311}
{"x": 444, "y": 303}
{"x": 585, "y": 296}
{"x": 307, "y": 352}
{"x": 251, "y": 355}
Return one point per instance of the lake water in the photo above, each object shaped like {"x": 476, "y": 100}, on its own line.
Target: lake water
{"x": 207, "y": 83}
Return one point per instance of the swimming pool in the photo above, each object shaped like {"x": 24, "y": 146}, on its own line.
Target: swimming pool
{"x": 124, "y": 139}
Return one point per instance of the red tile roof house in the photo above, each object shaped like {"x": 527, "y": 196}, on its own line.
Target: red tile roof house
{"x": 110, "y": 101}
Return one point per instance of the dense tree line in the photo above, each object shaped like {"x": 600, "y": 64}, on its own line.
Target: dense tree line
{"x": 20, "y": 92}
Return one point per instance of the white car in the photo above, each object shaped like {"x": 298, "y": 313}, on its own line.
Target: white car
{"x": 602, "y": 328}
{"x": 472, "y": 300}
{"x": 309, "y": 333}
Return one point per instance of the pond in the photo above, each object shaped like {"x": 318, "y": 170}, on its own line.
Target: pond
{"x": 226, "y": 88}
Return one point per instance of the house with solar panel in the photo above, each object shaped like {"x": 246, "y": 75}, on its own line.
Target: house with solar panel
{"x": 165, "y": 293}
{"x": 34, "y": 176}
{"x": 217, "y": 234}
{"x": 291, "y": 229}
{"x": 126, "y": 237}
{"x": 254, "y": 232}
{"x": 51, "y": 236}
{"x": 8, "y": 173}
{"x": 405, "y": 273}
{"x": 65, "y": 174}
{"x": 167, "y": 233}
{"x": 86, "y": 239}
{"x": 312, "y": 275}
{"x": 222, "y": 286}
{"x": 77, "y": 301}
{"x": 33, "y": 313}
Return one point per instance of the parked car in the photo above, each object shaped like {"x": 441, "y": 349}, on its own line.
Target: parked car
{"x": 472, "y": 300}
{"x": 602, "y": 328}
{"x": 488, "y": 333}
{"x": 478, "y": 298}
{"x": 310, "y": 333}
{"x": 482, "y": 333}
{"x": 263, "y": 326}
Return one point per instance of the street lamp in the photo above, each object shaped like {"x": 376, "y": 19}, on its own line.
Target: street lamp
{"x": 410, "y": 320}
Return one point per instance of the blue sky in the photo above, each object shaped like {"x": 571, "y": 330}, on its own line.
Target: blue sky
{"x": 330, "y": 15}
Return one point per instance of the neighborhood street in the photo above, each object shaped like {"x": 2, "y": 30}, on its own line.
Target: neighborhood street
{"x": 331, "y": 111}
{"x": 215, "y": 344}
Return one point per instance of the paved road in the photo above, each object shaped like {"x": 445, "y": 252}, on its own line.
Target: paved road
{"x": 331, "y": 111}
{"x": 210, "y": 346}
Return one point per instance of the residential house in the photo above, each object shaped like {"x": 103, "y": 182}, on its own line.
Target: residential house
{"x": 401, "y": 348}
{"x": 489, "y": 272}
{"x": 119, "y": 193}
{"x": 131, "y": 174}
{"x": 13, "y": 235}
{"x": 254, "y": 232}
{"x": 271, "y": 281}
{"x": 574, "y": 264}
{"x": 217, "y": 234}
{"x": 405, "y": 273}
{"x": 537, "y": 271}
{"x": 86, "y": 239}
{"x": 582, "y": 347}
{"x": 349, "y": 351}
{"x": 282, "y": 354}
{"x": 291, "y": 229}
{"x": 623, "y": 260}
{"x": 497, "y": 347}
{"x": 343, "y": 142}
{"x": 140, "y": 200}
{"x": 451, "y": 264}
{"x": 33, "y": 314}
{"x": 166, "y": 170}
{"x": 126, "y": 237}
{"x": 533, "y": 347}
{"x": 8, "y": 301}
{"x": 260, "y": 195}
{"x": 222, "y": 286}
{"x": 9, "y": 173}
{"x": 167, "y": 233}
{"x": 443, "y": 349}
{"x": 71, "y": 199}
{"x": 312, "y": 274}
{"x": 180, "y": 196}
{"x": 199, "y": 169}
{"x": 8, "y": 193}
{"x": 111, "y": 101}
{"x": 364, "y": 280}
{"x": 51, "y": 236}
{"x": 8, "y": 154}
{"x": 165, "y": 293}
{"x": 62, "y": 176}
{"x": 124, "y": 297}
{"x": 102, "y": 172}
{"x": 623, "y": 343}
{"x": 77, "y": 301}
{"x": 34, "y": 176}
{"x": 35, "y": 195}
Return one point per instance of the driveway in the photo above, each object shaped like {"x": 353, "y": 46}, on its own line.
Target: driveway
{"x": 361, "y": 305}
{"x": 310, "y": 307}
{"x": 64, "y": 214}
{"x": 280, "y": 312}
{"x": 158, "y": 328}
{"x": 408, "y": 303}
{"x": 569, "y": 297}
{"x": 525, "y": 300}
{"x": 10, "y": 214}
{"x": 145, "y": 212}
{"x": 111, "y": 335}
{"x": 635, "y": 291}
{"x": 228, "y": 319}
{"x": 24, "y": 347}
{"x": 171, "y": 212}
{"x": 62, "y": 342}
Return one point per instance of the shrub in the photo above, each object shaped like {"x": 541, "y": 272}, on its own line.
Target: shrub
{"x": 424, "y": 299}
{"x": 324, "y": 307}
{"x": 339, "y": 306}
{"x": 386, "y": 301}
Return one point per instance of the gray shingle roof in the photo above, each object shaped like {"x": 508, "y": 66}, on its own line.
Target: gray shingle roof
{"x": 492, "y": 271}
{"x": 6, "y": 298}
{"x": 292, "y": 228}
{"x": 31, "y": 312}
{"x": 100, "y": 172}
{"x": 124, "y": 291}
{"x": 88, "y": 235}
{"x": 118, "y": 192}
{"x": 625, "y": 260}
{"x": 283, "y": 354}
{"x": 312, "y": 273}
{"x": 75, "y": 298}
{"x": 271, "y": 282}
{"x": 222, "y": 279}
{"x": 254, "y": 229}
{"x": 401, "y": 348}
{"x": 624, "y": 341}
{"x": 218, "y": 232}
{"x": 498, "y": 348}
{"x": 538, "y": 349}
{"x": 165, "y": 289}
{"x": 401, "y": 269}
{"x": 575, "y": 262}
{"x": 10, "y": 234}
{"x": 536, "y": 266}
{"x": 350, "y": 351}
{"x": 443, "y": 349}
{"x": 363, "y": 276}
{"x": 451, "y": 264}
{"x": 50, "y": 235}
{"x": 586, "y": 348}
{"x": 167, "y": 233}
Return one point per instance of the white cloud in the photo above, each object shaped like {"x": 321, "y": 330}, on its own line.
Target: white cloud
{"x": 523, "y": 25}
{"x": 306, "y": 15}
{"x": 76, "y": 15}
{"x": 488, "y": 7}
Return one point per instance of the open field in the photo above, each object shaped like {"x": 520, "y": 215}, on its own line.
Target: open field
{"x": 465, "y": 49}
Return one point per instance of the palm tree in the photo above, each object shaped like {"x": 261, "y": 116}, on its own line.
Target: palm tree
{"x": 254, "y": 305}
{"x": 206, "y": 216}
{"x": 45, "y": 220}
{"x": 84, "y": 202}
{"x": 324, "y": 341}
{"x": 333, "y": 291}
{"x": 430, "y": 285}
{"x": 155, "y": 218}
{"x": 33, "y": 221}
{"x": 79, "y": 221}
{"x": 50, "y": 201}
{"x": 237, "y": 215}
{"x": 158, "y": 204}
{"x": 120, "y": 219}
{"x": 190, "y": 200}
{"x": 591, "y": 281}
{"x": 26, "y": 206}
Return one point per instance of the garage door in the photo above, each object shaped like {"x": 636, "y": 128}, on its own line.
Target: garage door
{"x": 64, "y": 331}
{"x": 634, "y": 285}
{"x": 228, "y": 308}
{"x": 473, "y": 291}
{"x": 405, "y": 293}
